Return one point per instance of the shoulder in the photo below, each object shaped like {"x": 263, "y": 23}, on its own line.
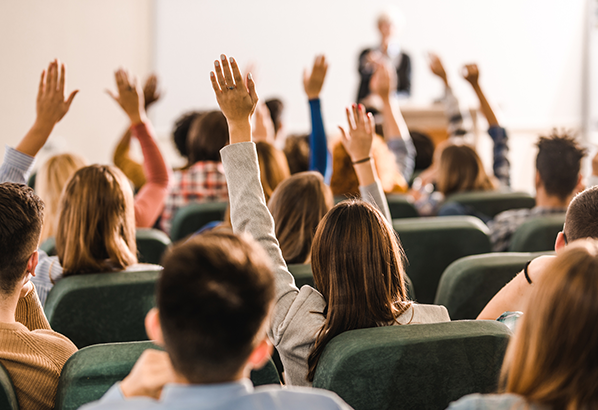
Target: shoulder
{"x": 513, "y": 214}
{"x": 300, "y": 397}
{"x": 491, "y": 401}
{"x": 424, "y": 314}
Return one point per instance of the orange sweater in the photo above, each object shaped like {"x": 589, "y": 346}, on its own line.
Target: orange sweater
{"x": 33, "y": 354}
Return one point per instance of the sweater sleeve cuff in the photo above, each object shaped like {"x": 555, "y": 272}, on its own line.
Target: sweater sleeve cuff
{"x": 18, "y": 160}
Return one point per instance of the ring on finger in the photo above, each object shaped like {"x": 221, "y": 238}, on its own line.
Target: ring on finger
{"x": 231, "y": 88}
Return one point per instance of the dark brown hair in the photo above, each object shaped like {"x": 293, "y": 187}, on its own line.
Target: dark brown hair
{"x": 461, "y": 170}
{"x": 21, "y": 217}
{"x": 180, "y": 134}
{"x": 582, "y": 216}
{"x": 558, "y": 163}
{"x": 296, "y": 149}
{"x": 275, "y": 106}
{"x": 207, "y": 136}
{"x": 357, "y": 263}
{"x": 213, "y": 297}
{"x": 553, "y": 359}
{"x": 297, "y": 206}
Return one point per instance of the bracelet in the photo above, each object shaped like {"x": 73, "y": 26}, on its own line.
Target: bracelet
{"x": 525, "y": 272}
{"x": 361, "y": 161}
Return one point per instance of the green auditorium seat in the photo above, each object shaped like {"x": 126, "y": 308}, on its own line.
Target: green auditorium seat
{"x": 8, "y": 396}
{"x": 102, "y": 307}
{"x": 304, "y": 276}
{"x": 31, "y": 180}
{"x": 400, "y": 206}
{"x": 423, "y": 366}
{"x": 90, "y": 372}
{"x": 151, "y": 244}
{"x": 431, "y": 244}
{"x": 537, "y": 234}
{"x": 469, "y": 283}
{"x": 492, "y": 203}
{"x": 49, "y": 246}
{"x": 193, "y": 217}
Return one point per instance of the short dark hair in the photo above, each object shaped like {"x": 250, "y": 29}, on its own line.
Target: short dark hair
{"x": 207, "y": 136}
{"x": 181, "y": 131}
{"x": 276, "y": 107}
{"x": 296, "y": 149}
{"x": 558, "y": 163}
{"x": 213, "y": 297}
{"x": 21, "y": 218}
{"x": 581, "y": 221}
{"x": 424, "y": 147}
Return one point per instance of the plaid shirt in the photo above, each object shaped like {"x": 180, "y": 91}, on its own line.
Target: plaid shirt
{"x": 202, "y": 182}
{"x": 504, "y": 225}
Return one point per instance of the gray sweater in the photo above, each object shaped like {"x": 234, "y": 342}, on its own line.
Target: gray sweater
{"x": 505, "y": 401}
{"x": 298, "y": 314}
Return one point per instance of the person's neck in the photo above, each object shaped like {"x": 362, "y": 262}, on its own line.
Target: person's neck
{"x": 8, "y": 307}
{"x": 544, "y": 200}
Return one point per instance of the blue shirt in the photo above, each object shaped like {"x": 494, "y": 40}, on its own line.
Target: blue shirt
{"x": 240, "y": 395}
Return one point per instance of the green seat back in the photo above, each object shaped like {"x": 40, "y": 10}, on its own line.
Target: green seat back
{"x": 193, "y": 217}
{"x": 304, "y": 276}
{"x": 431, "y": 244}
{"x": 151, "y": 244}
{"x": 91, "y": 371}
{"x": 31, "y": 180}
{"x": 469, "y": 283}
{"x": 8, "y": 396}
{"x": 423, "y": 366}
{"x": 492, "y": 203}
{"x": 538, "y": 234}
{"x": 102, "y": 307}
{"x": 49, "y": 246}
{"x": 400, "y": 206}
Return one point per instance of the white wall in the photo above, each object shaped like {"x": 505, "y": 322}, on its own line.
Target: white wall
{"x": 93, "y": 38}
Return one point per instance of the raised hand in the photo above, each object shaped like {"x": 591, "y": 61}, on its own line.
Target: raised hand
{"x": 236, "y": 100}
{"x": 51, "y": 105}
{"x": 384, "y": 80}
{"x": 437, "y": 67}
{"x": 129, "y": 96}
{"x": 314, "y": 80}
{"x": 264, "y": 127}
{"x": 471, "y": 73}
{"x": 150, "y": 91}
{"x": 151, "y": 372}
{"x": 358, "y": 140}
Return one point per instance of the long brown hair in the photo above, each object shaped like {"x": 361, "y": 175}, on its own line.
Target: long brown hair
{"x": 297, "y": 206}
{"x": 274, "y": 167}
{"x": 357, "y": 263}
{"x": 553, "y": 358}
{"x": 96, "y": 228}
{"x": 461, "y": 170}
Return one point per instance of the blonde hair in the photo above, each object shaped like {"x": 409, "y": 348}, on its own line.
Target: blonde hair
{"x": 460, "y": 170}
{"x": 274, "y": 167}
{"x": 49, "y": 183}
{"x": 96, "y": 231}
{"x": 553, "y": 358}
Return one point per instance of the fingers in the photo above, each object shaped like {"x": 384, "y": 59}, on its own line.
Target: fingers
{"x": 251, "y": 87}
{"x": 62, "y": 81}
{"x": 349, "y": 113}
{"x": 344, "y": 135}
{"x": 226, "y": 71}
{"x": 111, "y": 94}
{"x": 219, "y": 75}
{"x": 369, "y": 124}
{"x": 42, "y": 84}
{"x": 52, "y": 76}
{"x": 71, "y": 98}
{"x": 236, "y": 72}
{"x": 215, "y": 85}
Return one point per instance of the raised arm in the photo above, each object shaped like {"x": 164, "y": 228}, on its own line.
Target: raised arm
{"x": 396, "y": 132}
{"x": 451, "y": 104}
{"x": 150, "y": 199}
{"x": 312, "y": 84}
{"x": 357, "y": 140}
{"x": 501, "y": 166}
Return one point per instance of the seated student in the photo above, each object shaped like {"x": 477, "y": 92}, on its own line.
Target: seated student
{"x": 122, "y": 159}
{"x": 98, "y": 214}
{"x": 557, "y": 180}
{"x": 203, "y": 180}
{"x": 31, "y": 352}
{"x": 343, "y": 259}
{"x": 229, "y": 287}
{"x": 581, "y": 222}
{"x": 552, "y": 361}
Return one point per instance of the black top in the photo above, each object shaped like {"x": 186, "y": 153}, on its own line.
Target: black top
{"x": 403, "y": 75}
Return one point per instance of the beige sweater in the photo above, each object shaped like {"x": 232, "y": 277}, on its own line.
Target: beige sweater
{"x": 33, "y": 354}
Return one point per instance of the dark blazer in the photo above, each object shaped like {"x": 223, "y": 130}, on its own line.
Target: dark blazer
{"x": 403, "y": 75}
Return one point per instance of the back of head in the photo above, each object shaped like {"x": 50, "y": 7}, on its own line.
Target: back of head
{"x": 273, "y": 167}
{"x": 553, "y": 358}
{"x": 424, "y": 148}
{"x": 558, "y": 163}
{"x": 357, "y": 263}
{"x": 275, "y": 106}
{"x": 297, "y": 206}
{"x": 21, "y": 217}
{"x": 213, "y": 297}
{"x": 96, "y": 229}
{"x": 296, "y": 149}
{"x": 180, "y": 134}
{"x": 581, "y": 221}
{"x": 49, "y": 183}
{"x": 207, "y": 136}
{"x": 461, "y": 170}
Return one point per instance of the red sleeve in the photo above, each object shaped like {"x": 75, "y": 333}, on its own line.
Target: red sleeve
{"x": 149, "y": 201}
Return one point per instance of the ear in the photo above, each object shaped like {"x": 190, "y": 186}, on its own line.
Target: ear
{"x": 538, "y": 180}
{"x": 153, "y": 327}
{"x": 260, "y": 355}
{"x": 560, "y": 242}
{"x": 32, "y": 263}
